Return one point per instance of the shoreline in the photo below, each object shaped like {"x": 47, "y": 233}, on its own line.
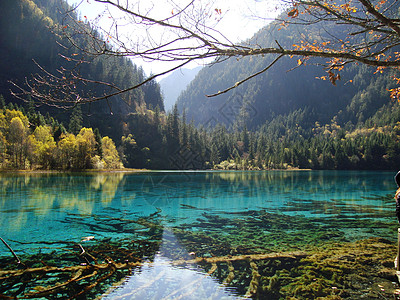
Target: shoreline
{"x": 75, "y": 171}
{"x": 133, "y": 171}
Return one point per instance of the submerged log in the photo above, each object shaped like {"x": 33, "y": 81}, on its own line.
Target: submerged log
{"x": 50, "y": 290}
{"x": 255, "y": 281}
{"x": 231, "y": 273}
{"x": 198, "y": 260}
{"x": 48, "y": 269}
{"x": 247, "y": 257}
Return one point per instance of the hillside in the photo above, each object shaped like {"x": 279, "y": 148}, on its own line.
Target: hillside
{"x": 283, "y": 89}
{"x": 283, "y": 119}
{"x": 31, "y": 30}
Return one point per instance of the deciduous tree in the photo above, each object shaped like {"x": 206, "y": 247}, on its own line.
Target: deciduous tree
{"x": 67, "y": 151}
{"x": 86, "y": 147}
{"x": 110, "y": 154}
{"x": 44, "y": 146}
{"x": 18, "y": 143}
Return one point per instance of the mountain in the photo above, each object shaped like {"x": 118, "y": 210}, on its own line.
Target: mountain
{"x": 143, "y": 134}
{"x": 31, "y": 30}
{"x": 283, "y": 89}
{"x": 175, "y": 83}
{"x": 284, "y": 118}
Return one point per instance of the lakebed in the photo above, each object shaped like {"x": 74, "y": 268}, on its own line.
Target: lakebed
{"x": 270, "y": 235}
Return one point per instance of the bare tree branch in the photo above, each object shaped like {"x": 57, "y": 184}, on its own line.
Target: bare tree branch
{"x": 371, "y": 37}
{"x": 247, "y": 78}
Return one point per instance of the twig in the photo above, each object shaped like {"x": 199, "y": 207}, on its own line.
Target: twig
{"x": 13, "y": 253}
{"x": 246, "y": 79}
{"x": 84, "y": 253}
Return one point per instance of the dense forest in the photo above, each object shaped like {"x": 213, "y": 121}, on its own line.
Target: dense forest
{"x": 280, "y": 120}
{"x": 284, "y": 88}
{"x": 31, "y": 31}
{"x": 28, "y": 140}
{"x": 288, "y": 116}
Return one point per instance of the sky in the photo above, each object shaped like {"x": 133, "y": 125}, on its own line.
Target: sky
{"x": 239, "y": 19}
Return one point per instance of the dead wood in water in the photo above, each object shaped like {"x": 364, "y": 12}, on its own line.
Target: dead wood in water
{"x": 12, "y": 252}
{"x": 78, "y": 280}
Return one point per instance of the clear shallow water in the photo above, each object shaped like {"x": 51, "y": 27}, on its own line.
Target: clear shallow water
{"x": 160, "y": 279}
{"x": 43, "y": 212}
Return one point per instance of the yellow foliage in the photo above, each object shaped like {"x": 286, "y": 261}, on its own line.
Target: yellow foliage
{"x": 67, "y": 148}
{"x": 3, "y": 123}
{"x": 43, "y": 134}
{"x": 86, "y": 147}
{"x": 17, "y": 130}
{"x": 20, "y": 149}
{"x": 110, "y": 154}
{"x": 3, "y": 147}
{"x": 67, "y": 141}
{"x": 327, "y": 132}
{"x": 10, "y": 114}
{"x": 18, "y": 145}
{"x": 86, "y": 136}
{"x": 44, "y": 145}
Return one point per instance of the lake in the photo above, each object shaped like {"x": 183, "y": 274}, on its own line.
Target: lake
{"x": 198, "y": 235}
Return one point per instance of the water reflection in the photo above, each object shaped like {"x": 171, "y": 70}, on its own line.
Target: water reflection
{"x": 160, "y": 279}
{"x": 34, "y": 205}
{"x": 70, "y": 206}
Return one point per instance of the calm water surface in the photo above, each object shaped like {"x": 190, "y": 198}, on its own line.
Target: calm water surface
{"x": 39, "y": 209}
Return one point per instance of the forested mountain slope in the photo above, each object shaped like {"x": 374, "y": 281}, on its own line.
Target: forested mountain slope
{"x": 31, "y": 30}
{"x": 285, "y": 118}
{"x": 284, "y": 88}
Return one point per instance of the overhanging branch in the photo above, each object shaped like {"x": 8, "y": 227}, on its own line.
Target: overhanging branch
{"x": 247, "y": 78}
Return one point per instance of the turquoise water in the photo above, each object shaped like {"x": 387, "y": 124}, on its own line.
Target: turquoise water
{"x": 45, "y": 212}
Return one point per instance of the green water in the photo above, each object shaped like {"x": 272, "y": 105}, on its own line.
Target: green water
{"x": 246, "y": 212}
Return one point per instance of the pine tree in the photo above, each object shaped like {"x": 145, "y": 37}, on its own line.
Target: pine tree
{"x": 175, "y": 122}
{"x": 184, "y": 131}
{"x": 245, "y": 139}
{"x": 214, "y": 155}
{"x": 99, "y": 146}
{"x": 2, "y": 102}
{"x": 75, "y": 123}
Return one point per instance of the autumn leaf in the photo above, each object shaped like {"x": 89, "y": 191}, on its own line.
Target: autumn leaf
{"x": 293, "y": 13}
{"x": 333, "y": 78}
